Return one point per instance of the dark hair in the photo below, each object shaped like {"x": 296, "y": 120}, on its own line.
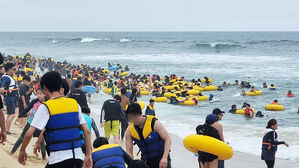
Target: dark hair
{"x": 8, "y": 66}
{"x": 271, "y": 123}
{"x": 1, "y": 58}
{"x": 69, "y": 76}
{"x": 85, "y": 109}
{"x": 134, "y": 91}
{"x": 117, "y": 97}
{"x": 27, "y": 78}
{"x": 99, "y": 142}
{"x": 65, "y": 86}
{"x": 234, "y": 106}
{"x": 151, "y": 100}
{"x": 123, "y": 91}
{"x": 52, "y": 81}
{"x": 78, "y": 83}
{"x": 134, "y": 109}
{"x": 275, "y": 100}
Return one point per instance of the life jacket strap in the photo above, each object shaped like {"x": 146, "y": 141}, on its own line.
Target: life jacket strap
{"x": 62, "y": 128}
{"x": 266, "y": 143}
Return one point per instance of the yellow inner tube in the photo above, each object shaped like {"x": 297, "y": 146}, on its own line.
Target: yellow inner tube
{"x": 106, "y": 71}
{"x": 198, "y": 88}
{"x": 169, "y": 95}
{"x": 187, "y": 103}
{"x": 210, "y": 88}
{"x": 201, "y": 98}
{"x": 195, "y": 143}
{"x": 242, "y": 111}
{"x": 256, "y": 93}
{"x": 274, "y": 107}
{"x": 160, "y": 99}
{"x": 144, "y": 92}
{"x": 123, "y": 74}
{"x": 193, "y": 92}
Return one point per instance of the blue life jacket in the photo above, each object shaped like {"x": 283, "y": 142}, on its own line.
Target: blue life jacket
{"x": 107, "y": 156}
{"x": 149, "y": 142}
{"x": 150, "y": 110}
{"x": 10, "y": 87}
{"x": 62, "y": 131}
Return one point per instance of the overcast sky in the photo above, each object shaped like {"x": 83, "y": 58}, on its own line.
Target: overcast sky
{"x": 149, "y": 15}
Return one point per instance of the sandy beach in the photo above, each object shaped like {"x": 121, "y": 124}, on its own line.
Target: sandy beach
{"x": 181, "y": 158}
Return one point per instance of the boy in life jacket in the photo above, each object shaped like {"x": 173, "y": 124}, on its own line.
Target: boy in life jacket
{"x": 150, "y": 109}
{"x": 112, "y": 155}
{"x": 275, "y": 102}
{"x": 290, "y": 94}
{"x": 62, "y": 120}
{"x": 151, "y": 137}
{"x": 9, "y": 90}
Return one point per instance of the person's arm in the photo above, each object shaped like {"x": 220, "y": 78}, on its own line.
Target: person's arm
{"x": 87, "y": 141}
{"x": 24, "y": 101}
{"x": 29, "y": 107}
{"x": 220, "y": 131}
{"x": 129, "y": 143}
{"x": 2, "y": 125}
{"x": 102, "y": 116}
{"x": 160, "y": 129}
{"x": 37, "y": 146}
{"x": 23, "y": 155}
{"x": 95, "y": 129}
{"x": 274, "y": 141}
{"x": 127, "y": 158}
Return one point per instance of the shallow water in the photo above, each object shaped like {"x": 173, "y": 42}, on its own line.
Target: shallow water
{"x": 270, "y": 57}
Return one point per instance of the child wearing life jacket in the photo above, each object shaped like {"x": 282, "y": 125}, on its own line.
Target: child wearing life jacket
{"x": 112, "y": 155}
{"x": 275, "y": 102}
{"x": 290, "y": 94}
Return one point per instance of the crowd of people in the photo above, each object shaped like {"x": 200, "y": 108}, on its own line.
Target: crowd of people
{"x": 60, "y": 118}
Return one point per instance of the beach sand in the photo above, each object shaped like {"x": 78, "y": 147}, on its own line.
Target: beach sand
{"x": 181, "y": 158}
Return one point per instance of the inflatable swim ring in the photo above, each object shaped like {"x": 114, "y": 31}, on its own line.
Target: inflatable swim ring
{"x": 195, "y": 143}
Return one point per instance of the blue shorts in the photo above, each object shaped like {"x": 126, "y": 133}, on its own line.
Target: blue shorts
{"x": 11, "y": 103}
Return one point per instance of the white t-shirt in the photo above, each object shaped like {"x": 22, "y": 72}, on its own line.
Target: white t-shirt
{"x": 40, "y": 121}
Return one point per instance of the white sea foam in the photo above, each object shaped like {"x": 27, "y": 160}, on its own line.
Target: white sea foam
{"x": 123, "y": 40}
{"x": 88, "y": 40}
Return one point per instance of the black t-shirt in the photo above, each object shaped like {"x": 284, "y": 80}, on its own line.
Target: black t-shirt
{"x": 23, "y": 89}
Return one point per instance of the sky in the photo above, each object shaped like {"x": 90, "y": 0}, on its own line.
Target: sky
{"x": 149, "y": 15}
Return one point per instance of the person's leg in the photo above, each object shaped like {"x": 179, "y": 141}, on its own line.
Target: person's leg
{"x": 10, "y": 105}
{"x": 43, "y": 149}
{"x": 115, "y": 130}
{"x": 107, "y": 129}
{"x": 124, "y": 126}
{"x": 20, "y": 139}
{"x": 220, "y": 163}
{"x": 270, "y": 163}
{"x": 169, "y": 161}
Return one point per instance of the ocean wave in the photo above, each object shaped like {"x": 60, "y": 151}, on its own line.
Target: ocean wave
{"x": 54, "y": 41}
{"x": 89, "y": 40}
{"x": 217, "y": 45}
{"x": 294, "y": 42}
{"x": 123, "y": 40}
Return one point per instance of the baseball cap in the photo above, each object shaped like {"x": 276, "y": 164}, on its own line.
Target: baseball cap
{"x": 217, "y": 111}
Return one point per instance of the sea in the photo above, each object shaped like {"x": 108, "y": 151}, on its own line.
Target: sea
{"x": 271, "y": 57}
